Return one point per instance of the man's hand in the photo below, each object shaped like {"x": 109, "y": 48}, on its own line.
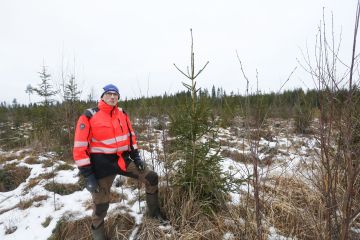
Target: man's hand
{"x": 139, "y": 164}
{"x": 91, "y": 184}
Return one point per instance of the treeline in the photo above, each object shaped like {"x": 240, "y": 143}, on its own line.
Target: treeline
{"x": 228, "y": 106}
{"x": 51, "y": 124}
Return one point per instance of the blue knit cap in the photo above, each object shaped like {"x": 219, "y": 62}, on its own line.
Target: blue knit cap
{"x": 110, "y": 88}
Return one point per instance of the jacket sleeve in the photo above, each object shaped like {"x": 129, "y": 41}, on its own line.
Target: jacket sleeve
{"x": 134, "y": 152}
{"x": 81, "y": 144}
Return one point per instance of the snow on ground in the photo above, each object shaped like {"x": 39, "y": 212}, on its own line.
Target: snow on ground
{"x": 65, "y": 177}
{"x": 273, "y": 235}
{"x": 228, "y": 236}
{"x": 287, "y": 154}
{"x": 28, "y": 222}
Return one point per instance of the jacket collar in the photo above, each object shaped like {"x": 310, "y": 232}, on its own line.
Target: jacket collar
{"x": 105, "y": 107}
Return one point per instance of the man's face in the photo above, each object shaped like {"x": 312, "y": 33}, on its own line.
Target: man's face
{"x": 110, "y": 98}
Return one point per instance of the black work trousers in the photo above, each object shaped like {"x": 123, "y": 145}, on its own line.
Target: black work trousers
{"x": 102, "y": 198}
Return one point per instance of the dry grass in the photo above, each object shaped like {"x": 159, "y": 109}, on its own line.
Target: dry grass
{"x": 203, "y": 229}
{"x": 225, "y": 142}
{"x": 118, "y": 227}
{"x": 237, "y": 156}
{"x": 188, "y": 218}
{"x": 19, "y": 154}
{"x": 40, "y": 198}
{"x": 32, "y": 160}
{"x": 62, "y": 189}
{"x": 8, "y": 157}
{"x": 181, "y": 208}
{"x": 24, "y": 204}
{"x": 72, "y": 230}
{"x": 64, "y": 167}
{"x": 48, "y": 163}
{"x": 31, "y": 183}
{"x": 35, "y": 181}
{"x": 293, "y": 208}
{"x": 191, "y": 222}
{"x": 257, "y": 134}
{"x": 46, "y": 175}
{"x": 149, "y": 230}
{"x": 12, "y": 176}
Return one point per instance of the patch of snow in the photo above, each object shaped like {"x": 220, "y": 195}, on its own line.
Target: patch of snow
{"x": 236, "y": 169}
{"x": 235, "y": 198}
{"x": 292, "y": 152}
{"x": 133, "y": 233}
{"x": 151, "y": 161}
{"x": 67, "y": 176}
{"x": 284, "y": 142}
{"x": 11, "y": 162}
{"x": 273, "y": 235}
{"x": 42, "y": 158}
{"x": 228, "y": 236}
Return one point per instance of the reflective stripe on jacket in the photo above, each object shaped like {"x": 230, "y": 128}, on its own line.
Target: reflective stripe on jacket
{"x": 108, "y": 131}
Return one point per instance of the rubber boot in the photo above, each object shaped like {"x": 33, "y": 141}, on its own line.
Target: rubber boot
{"x": 99, "y": 232}
{"x": 152, "y": 201}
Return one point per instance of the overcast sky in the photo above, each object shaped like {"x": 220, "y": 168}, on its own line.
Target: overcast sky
{"x": 133, "y": 44}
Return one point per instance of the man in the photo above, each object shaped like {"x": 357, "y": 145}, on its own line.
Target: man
{"x": 104, "y": 146}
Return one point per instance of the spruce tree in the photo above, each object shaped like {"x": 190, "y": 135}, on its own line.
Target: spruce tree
{"x": 44, "y": 120}
{"x": 45, "y": 88}
{"x": 198, "y": 172}
{"x": 69, "y": 113}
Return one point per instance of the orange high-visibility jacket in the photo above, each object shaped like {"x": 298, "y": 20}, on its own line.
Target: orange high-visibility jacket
{"x": 106, "y": 131}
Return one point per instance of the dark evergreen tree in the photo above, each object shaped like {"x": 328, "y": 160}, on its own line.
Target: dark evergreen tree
{"x": 198, "y": 172}
{"x": 45, "y": 88}
{"x": 44, "y": 118}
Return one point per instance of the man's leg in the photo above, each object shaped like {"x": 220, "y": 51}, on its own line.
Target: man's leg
{"x": 101, "y": 201}
{"x": 150, "y": 179}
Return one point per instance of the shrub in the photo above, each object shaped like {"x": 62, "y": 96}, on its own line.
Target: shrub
{"x": 118, "y": 226}
{"x": 12, "y": 176}
{"x": 32, "y": 160}
{"x": 47, "y": 175}
{"x": 4, "y": 158}
{"x": 62, "y": 189}
{"x": 64, "y": 167}
{"x": 31, "y": 183}
{"x": 24, "y": 204}
{"x": 303, "y": 115}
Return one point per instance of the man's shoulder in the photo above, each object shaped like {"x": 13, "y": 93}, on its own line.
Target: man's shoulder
{"x": 122, "y": 111}
{"x": 90, "y": 112}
